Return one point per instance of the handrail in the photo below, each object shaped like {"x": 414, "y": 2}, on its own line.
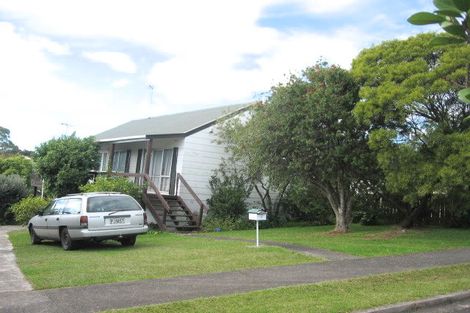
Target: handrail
{"x": 166, "y": 208}
{"x": 151, "y": 184}
{"x": 202, "y": 206}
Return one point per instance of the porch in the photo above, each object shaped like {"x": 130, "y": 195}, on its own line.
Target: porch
{"x": 172, "y": 203}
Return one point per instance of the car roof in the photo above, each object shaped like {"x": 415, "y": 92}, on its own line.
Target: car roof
{"x": 91, "y": 194}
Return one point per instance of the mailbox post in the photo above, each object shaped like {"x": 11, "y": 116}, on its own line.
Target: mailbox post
{"x": 257, "y": 215}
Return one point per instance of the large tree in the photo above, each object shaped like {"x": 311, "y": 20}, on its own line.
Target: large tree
{"x": 6, "y": 145}
{"x": 306, "y": 130}
{"x": 410, "y": 102}
{"x": 65, "y": 163}
{"x": 240, "y": 139}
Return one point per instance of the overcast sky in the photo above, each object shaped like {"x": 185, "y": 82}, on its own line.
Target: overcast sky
{"x": 89, "y": 65}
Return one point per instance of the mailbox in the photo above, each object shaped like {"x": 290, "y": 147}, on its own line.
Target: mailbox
{"x": 256, "y": 215}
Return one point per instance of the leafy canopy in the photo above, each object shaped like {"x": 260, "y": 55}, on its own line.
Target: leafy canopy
{"x": 454, "y": 18}
{"x": 65, "y": 163}
{"x": 306, "y": 130}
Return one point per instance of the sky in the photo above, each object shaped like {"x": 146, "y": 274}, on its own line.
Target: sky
{"x": 87, "y": 66}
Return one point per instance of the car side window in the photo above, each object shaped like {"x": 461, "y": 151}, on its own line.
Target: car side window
{"x": 58, "y": 207}
{"x": 48, "y": 209}
{"x": 72, "y": 206}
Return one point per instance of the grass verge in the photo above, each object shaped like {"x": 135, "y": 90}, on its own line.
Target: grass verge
{"x": 365, "y": 241}
{"x": 330, "y": 297}
{"x": 155, "y": 255}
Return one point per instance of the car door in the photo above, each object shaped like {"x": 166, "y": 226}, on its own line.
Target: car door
{"x": 70, "y": 215}
{"x": 53, "y": 219}
{"x": 40, "y": 221}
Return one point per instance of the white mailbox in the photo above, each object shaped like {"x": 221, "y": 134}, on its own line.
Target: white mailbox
{"x": 257, "y": 215}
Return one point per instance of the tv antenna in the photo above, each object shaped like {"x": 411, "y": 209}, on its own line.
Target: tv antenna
{"x": 151, "y": 88}
{"x": 67, "y": 126}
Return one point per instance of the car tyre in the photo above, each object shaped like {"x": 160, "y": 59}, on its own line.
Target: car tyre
{"x": 66, "y": 240}
{"x": 128, "y": 241}
{"x": 34, "y": 238}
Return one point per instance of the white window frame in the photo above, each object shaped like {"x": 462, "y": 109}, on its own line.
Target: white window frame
{"x": 119, "y": 161}
{"x": 104, "y": 162}
{"x": 159, "y": 178}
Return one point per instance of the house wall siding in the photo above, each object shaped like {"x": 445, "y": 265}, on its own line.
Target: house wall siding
{"x": 200, "y": 156}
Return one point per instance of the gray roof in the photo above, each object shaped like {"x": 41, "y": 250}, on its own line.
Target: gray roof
{"x": 181, "y": 124}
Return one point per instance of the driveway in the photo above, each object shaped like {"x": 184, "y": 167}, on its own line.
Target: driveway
{"x": 11, "y": 278}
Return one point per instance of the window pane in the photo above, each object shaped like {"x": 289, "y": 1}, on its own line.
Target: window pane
{"x": 166, "y": 168}
{"x": 112, "y": 203}
{"x": 104, "y": 162}
{"x": 73, "y": 206}
{"x": 58, "y": 207}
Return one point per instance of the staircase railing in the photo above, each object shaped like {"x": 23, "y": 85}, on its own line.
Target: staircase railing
{"x": 146, "y": 182}
{"x": 202, "y": 206}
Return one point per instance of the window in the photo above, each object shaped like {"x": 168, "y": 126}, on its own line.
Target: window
{"x": 73, "y": 206}
{"x": 104, "y": 162}
{"x": 119, "y": 161}
{"x": 58, "y": 207}
{"x": 48, "y": 209}
{"x": 161, "y": 169}
{"x": 111, "y": 204}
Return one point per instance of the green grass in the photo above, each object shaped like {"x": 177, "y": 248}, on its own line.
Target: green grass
{"x": 331, "y": 297}
{"x": 363, "y": 240}
{"x": 155, "y": 255}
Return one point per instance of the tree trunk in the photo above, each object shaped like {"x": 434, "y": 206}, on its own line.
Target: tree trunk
{"x": 342, "y": 225}
{"x": 417, "y": 212}
{"x": 341, "y": 202}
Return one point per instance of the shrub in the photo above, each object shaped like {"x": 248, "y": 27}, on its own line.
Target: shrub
{"x": 17, "y": 164}
{"x": 113, "y": 184}
{"x": 12, "y": 189}
{"x": 212, "y": 223}
{"x": 229, "y": 192}
{"x": 27, "y": 208}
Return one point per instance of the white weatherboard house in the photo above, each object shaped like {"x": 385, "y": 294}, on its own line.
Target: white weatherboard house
{"x": 183, "y": 153}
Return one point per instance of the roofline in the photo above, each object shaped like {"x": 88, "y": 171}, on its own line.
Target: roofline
{"x": 177, "y": 135}
{"x": 123, "y": 139}
{"x": 204, "y": 126}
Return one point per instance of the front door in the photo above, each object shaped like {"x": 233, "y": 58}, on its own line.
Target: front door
{"x": 160, "y": 172}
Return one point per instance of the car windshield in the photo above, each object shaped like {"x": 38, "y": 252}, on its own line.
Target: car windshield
{"x": 112, "y": 203}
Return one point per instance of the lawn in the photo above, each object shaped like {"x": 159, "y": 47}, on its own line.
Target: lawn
{"x": 155, "y": 255}
{"x": 363, "y": 240}
{"x": 331, "y": 297}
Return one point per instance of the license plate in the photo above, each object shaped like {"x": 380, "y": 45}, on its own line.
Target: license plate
{"x": 116, "y": 220}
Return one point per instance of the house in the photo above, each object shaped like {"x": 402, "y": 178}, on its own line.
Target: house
{"x": 175, "y": 155}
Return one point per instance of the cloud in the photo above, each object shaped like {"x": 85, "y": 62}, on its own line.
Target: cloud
{"x": 35, "y": 100}
{"x": 117, "y": 61}
{"x": 214, "y": 53}
{"x": 120, "y": 83}
{"x": 327, "y": 6}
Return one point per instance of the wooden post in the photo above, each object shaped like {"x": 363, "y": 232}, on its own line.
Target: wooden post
{"x": 148, "y": 157}
{"x": 111, "y": 158}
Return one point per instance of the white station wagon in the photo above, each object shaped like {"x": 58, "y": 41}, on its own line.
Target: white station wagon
{"x": 89, "y": 216}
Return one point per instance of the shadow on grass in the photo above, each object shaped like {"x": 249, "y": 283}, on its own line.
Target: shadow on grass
{"x": 91, "y": 245}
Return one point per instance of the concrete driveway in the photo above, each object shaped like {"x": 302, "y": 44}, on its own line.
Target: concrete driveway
{"x": 11, "y": 278}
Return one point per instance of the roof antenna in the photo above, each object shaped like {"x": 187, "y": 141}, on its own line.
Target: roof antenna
{"x": 151, "y": 87}
{"x": 67, "y": 126}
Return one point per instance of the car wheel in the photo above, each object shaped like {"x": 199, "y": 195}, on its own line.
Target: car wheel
{"x": 128, "y": 241}
{"x": 34, "y": 238}
{"x": 66, "y": 240}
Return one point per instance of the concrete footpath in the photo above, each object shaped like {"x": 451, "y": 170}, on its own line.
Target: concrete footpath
{"x": 122, "y": 295}
{"x": 11, "y": 278}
